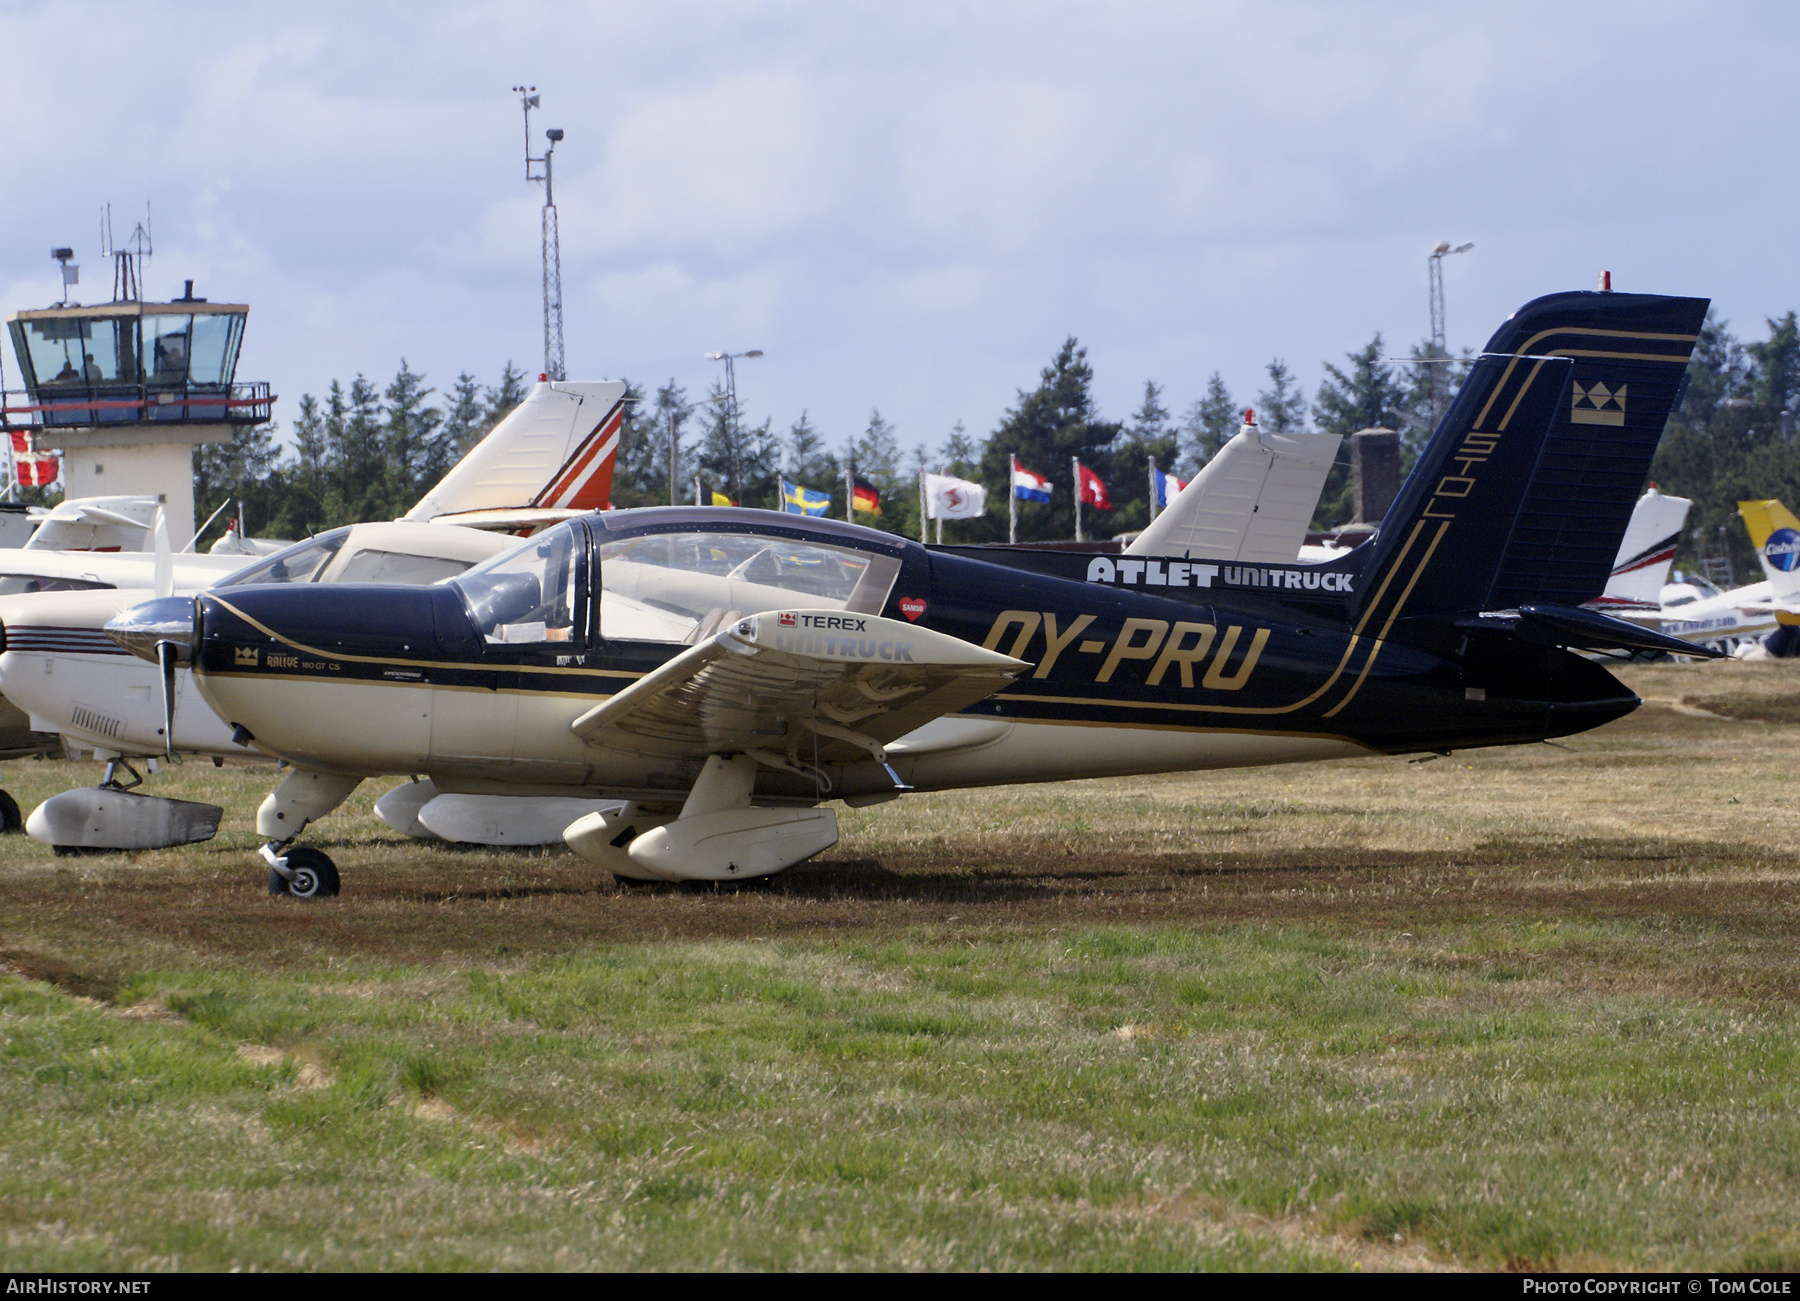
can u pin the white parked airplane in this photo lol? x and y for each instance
(1739, 619)
(550, 459)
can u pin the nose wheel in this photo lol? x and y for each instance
(302, 872)
(10, 820)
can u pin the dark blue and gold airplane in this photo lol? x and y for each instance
(723, 674)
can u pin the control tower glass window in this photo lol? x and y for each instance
(58, 350)
(166, 347)
(213, 353)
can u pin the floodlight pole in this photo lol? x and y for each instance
(1440, 353)
(730, 358)
(553, 306)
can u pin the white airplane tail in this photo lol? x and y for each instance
(96, 524)
(553, 452)
(1645, 554)
(1251, 502)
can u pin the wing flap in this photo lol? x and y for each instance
(820, 684)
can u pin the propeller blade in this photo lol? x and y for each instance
(165, 557)
(167, 656)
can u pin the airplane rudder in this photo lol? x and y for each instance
(1442, 541)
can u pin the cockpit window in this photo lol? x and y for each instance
(299, 563)
(14, 584)
(372, 566)
(528, 594)
(684, 586)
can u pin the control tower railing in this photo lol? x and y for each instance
(77, 405)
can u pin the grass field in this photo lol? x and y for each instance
(1520, 1008)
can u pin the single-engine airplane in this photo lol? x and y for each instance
(724, 673)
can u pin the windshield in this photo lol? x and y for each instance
(685, 586)
(299, 563)
(527, 594)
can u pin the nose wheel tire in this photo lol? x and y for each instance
(9, 814)
(315, 876)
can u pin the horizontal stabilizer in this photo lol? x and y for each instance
(1580, 629)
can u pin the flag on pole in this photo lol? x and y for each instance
(1028, 486)
(1164, 487)
(719, 498)
(948, 498)
(1090, 489)
(863, 496)
(797, 499)
(32, 468)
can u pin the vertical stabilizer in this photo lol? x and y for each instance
(1252, 502)
(1523, 494)
(554, 450)
(1642, 566)
(1776, 534)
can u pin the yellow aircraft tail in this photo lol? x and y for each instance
(1776, 534)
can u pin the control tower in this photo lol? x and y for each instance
(126, 390)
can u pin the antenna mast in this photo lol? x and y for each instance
(129, 263)
(553, 310)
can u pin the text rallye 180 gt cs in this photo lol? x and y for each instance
(724, 673)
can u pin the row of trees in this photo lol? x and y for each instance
(1731, 439)
(1045, 428)
(361, 454)
(364, 452)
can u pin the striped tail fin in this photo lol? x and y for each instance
(1524, 492)
(555, 450)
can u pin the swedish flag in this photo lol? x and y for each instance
(798, 500)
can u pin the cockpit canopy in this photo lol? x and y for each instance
(670, 583)
(404, 554)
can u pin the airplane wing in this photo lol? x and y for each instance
(804, 684)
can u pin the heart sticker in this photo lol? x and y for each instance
(912, 607)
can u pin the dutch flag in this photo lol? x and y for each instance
(1028, 486)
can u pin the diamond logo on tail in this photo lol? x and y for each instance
(1595, 405)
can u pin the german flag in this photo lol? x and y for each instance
(863, 496)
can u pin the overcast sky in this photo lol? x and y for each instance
(905, 205)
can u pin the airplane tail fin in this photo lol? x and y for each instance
(1524, 491)
(1642, 566)
(1251, 502)
(554, 450)
(1776, 534)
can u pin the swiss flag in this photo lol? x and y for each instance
(1090, 490)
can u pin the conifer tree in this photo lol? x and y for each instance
(1282, 406)
(1048, 426)
(1209, 424)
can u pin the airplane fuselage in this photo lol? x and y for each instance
(1134, 667)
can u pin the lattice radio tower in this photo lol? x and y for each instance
(553, 311)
